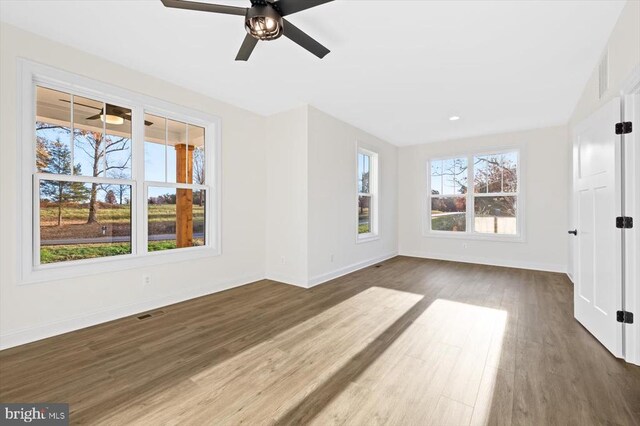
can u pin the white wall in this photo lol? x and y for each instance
(28, 312)
(287, 206)
(332, 198)
(544, 158)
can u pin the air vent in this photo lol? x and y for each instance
(603, 75)
(150, 315)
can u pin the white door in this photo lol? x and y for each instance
(597, 292)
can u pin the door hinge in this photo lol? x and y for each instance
(624, 128)
(624, 317)
(624, 222)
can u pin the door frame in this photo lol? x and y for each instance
(631, 206)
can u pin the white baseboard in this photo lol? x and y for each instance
(32, 334)
(287, 279)
(322, 278)
(548, 267)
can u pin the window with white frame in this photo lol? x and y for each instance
(116, 179)
(175, 185)
(476, 194)
(449, 194)
(367, 194)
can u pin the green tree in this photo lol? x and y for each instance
(60, 192)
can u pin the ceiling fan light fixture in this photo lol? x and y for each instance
(263, 23)
(112, 119)
(264, 20)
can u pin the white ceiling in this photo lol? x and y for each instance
(397, 69)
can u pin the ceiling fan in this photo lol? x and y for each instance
(114, 115)
(264, 20)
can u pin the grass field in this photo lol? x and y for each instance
(53, 254)
(449, 222)
(111, 214)
(117, 221)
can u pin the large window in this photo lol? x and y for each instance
(476, 194)
(115, 179)
(367, 194)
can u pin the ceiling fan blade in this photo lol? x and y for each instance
(94, 117)
(287, 7)
(205, 7)
(298, 36)
(247, 47)
(78, 103)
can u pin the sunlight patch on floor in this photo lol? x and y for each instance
(441, 370)
(268, 380)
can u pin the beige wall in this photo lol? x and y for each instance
(332, 198)
(37, 310)
(544, 160)
(287, 206)
(311, 198)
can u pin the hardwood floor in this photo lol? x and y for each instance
(413, 341)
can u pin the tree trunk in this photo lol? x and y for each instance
(60, 204)
(93, 214)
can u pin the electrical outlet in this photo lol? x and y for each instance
(331, 257)
(283, 260)
(146, 279)
(464, 245)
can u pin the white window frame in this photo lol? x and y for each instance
(470, 233)
(30, 75)
(373, 193)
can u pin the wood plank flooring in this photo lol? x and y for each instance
(411, 342)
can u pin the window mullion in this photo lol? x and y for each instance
(471, 188)
(104, 139)
(72, 136)
(138, 195)
(84, 179)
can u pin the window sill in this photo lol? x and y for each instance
(475, 236)
(81, 268)
(366, 238)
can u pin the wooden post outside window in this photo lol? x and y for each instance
(184, 197)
